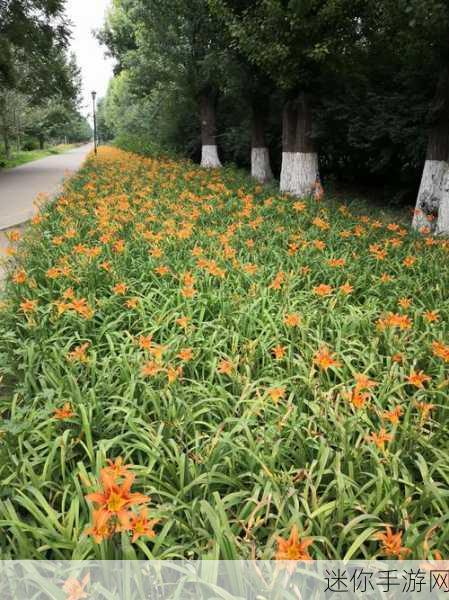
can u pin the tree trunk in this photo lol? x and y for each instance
(4, 128)
(41, 142)
(289, 121)
(443, 209)
(209, 153)
(305, 162)
(299, 157)
(260, 155)
(433, 181)
(6, 144)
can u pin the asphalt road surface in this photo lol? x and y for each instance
(20, 186)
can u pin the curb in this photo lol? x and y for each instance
(16, 220)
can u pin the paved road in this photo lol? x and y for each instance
(20, 186)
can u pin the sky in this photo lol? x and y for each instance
(96, 69)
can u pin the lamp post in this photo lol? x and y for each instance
(95, 122)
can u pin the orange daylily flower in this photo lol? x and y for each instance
(82, 308)
(145, 342)
(431, 316)
(116, 468)
(276, 394)
(75, 589)
(293, 549)
(346, 288)
(336, 262)
(106, 265)
(356, 397)
(28, 305)
(404, 303)
(278, 281)
(398, 358)
(381, 438)
(79, 353)
(61, 307)
(183, 322)
(188, 279)
(68, 294)
(120, 289)
(119, 246)
(299, 206)
(150, 369)
(162, 270)
(323, 290)
(14, 235)
(324, 359)
(157, 350)
(378, 252)
(185, 354)
(394, 320)
(53, 273)
(418, 379)
(321, 223)
(114, 499)
(393, 415)
(174, 373)
(132, 302)
(391, 544)
(292, 320)
(278, 352)
(440, 350)
(63, 413)
(319, 244)
(188, 291)
(19, 276)
(225, 367)
(141, 526)
(409, 261)
(363, 382)
(156, 252)
(424, 408)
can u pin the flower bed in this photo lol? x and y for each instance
(274, 370)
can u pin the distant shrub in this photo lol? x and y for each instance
(30, 145)
(141, 145)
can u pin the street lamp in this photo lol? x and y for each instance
(95, 122)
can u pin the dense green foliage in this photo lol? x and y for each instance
(32, 35)
(40, 83)
(371, 66)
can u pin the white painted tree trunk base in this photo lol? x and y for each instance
(286, 172)
(209, 157)
(443, 211)
(299, 173)
(260, 164)
(430, 192)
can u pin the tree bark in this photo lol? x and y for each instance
(209, 152)
(6, 144)
(442, 227)
(433, 181)
(4, 128)
(260, 155)
(299, 157)
(289, 122)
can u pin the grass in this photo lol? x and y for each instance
(179, 319)
(26, 156)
